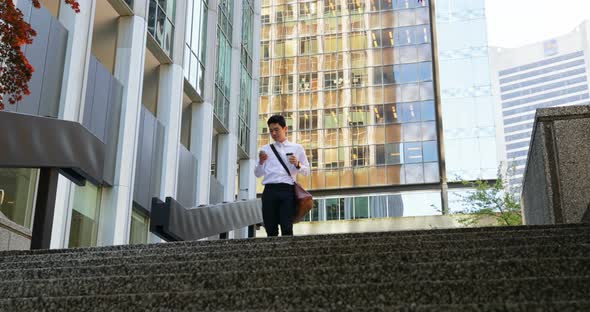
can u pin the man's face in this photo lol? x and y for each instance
(277, 132)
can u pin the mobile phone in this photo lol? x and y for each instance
(289, 154)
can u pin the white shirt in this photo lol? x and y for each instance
(273, 171)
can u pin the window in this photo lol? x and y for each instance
(332, 209)
(393, 154)
(140, 226)
(359, 77)
(194, 57)
(331, 7)
(308, 82)
(413, 152)
(265, 50)
(279, 17)
(333, 80)
(160, 23)
(264, 85)
(17, 194)
(85, 213)
(355, 6)
(430, 151)
(358, 155)
(308, 120)
(406, 73)
(312, 157)
(358, 41)
(307, 10)
(332, 43)
(361, 207)
(387, 37)
(308, 45)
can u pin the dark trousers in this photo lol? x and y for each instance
(278, 207)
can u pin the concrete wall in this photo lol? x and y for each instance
(378, 225)
(557, 174)
(13, 236)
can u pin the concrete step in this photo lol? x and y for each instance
(290, 258)
(318, 297)
(264, 248)
(435, 234)
(236, 279)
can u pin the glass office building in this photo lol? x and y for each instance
(468, 114)
(354, 79)
(469, 117)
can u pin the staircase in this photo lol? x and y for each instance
(527, 268)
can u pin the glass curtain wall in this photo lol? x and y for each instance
(161, 23)
(246, 75)
(195, 50)
(465, 90)
(376, 206)
(222, 75)
(354, 81)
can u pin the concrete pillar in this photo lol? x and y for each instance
(247, 187)
(170, 93)
(80, 29)
(129, 69)
(170, 114)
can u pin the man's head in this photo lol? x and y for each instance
(277, 128)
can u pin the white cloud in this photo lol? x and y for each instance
(513, 23)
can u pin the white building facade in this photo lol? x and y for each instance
(175, 82)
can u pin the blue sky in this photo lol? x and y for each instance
(513, 23)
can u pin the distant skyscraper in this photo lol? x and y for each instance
(544, 74)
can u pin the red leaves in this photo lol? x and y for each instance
(15, 69)
(74, 4)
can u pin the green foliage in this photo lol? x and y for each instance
(490, 200)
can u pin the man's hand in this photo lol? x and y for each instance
(263, 157)
(293, 160)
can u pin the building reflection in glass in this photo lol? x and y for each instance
(355, 84)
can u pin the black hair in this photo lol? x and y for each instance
(277, 119)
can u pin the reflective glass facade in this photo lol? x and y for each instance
(467, 101)
(195, 50)
(354, 80)
(161, 22)
(246, 75)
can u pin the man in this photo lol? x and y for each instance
(278, 198)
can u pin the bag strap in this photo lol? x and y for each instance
(272, 146)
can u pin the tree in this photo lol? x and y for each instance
(496, 200)
(15, 69)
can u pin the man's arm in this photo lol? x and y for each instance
(259, 169)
